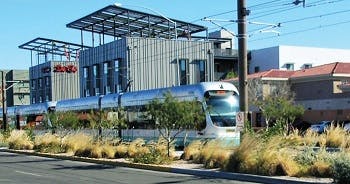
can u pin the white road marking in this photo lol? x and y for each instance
(27, 173)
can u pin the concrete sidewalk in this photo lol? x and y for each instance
(181, 169)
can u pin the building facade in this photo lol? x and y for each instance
(54, 74)
(294, 58)
(323, 91)
(54, 80)
(133, 63)
(17, 87)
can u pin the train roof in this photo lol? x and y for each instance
(78, 104)
(38, 108)
(110, 101)
(185, 92)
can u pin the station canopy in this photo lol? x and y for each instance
(117, 21)
(54, 47)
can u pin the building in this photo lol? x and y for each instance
(148, 51)
(54, 74)
(130, 50)
(294, 58)
(17, 87)
(323, 90)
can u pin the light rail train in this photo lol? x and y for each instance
(219, 99)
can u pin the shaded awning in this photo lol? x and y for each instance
(55, 47)
(121, 22)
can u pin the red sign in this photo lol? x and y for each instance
(68, 68)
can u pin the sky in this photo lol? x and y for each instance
(318, 23)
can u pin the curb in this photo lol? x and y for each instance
(195, 172)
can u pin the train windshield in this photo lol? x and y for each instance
(223, 109)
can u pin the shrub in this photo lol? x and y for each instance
(19, 139)
(75, 141)
(341, 169)
(48, 143)
(152, 156)
(154, 152)
(306, 157)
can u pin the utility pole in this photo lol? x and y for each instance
(3, 100)
(242, 13)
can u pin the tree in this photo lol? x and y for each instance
(63, 120)
(282, 110)
(172, 117)
(274, 99)
(107, 119)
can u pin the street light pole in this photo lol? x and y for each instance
(3, 100)
(175, 31)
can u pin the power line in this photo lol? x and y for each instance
(304, 30)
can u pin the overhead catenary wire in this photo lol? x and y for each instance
(303, 30)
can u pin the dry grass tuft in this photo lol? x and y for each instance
(19, 139)
(245, 157)
(121, 151)
(73, 142)
(311, 138)
(108, 151)
(335, 137)
(321, 169)
(192, 151)
(137, 148)
(48, 143)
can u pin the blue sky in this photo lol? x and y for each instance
(321, 23)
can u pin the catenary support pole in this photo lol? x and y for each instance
(242, 13)
(3, 100)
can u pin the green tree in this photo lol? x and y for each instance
(115, 119)
(63, 120)
(282, 110)
(172, 117)
(106, 120)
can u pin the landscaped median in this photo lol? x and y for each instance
(181, 167)
(260, 156)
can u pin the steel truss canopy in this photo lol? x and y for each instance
(54, 47)
(117, 21)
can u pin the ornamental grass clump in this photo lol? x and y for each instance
(91, 151)
(2, 140)
(214, 154)
(192, 151)
(121, 151)
(75, 141)
(19, 140)
(336, 137)
(108, 151)
(245, 157)
(137, 148)
(48, 143)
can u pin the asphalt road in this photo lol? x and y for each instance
(24, 169)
